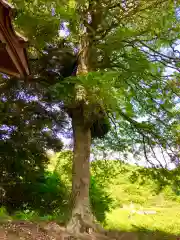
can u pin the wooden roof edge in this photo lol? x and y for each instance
(11, 9)
(6, 4)
(21, 39)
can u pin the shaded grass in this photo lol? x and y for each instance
(142, 234)
(31, 216)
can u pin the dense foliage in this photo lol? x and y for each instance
(24, 142)
(131, 65)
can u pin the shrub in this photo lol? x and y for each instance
(101, 202)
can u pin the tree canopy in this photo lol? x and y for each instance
(132, 47)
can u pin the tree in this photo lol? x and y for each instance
(120, 75)
(23, 144)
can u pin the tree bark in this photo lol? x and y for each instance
(81, 216)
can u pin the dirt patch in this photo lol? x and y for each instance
(15, 230)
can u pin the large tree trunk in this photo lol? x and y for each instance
(81, 217)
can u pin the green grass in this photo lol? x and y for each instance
(165, 224)
(166, 220)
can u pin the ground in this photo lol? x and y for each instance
(14, 230)
(27, 230)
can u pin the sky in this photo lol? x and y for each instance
(112, 155)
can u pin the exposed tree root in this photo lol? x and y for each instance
(83, 229)
(78, 225)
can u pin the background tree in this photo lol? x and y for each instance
(24, 140)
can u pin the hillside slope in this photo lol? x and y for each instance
(142, 205)
(132, 188)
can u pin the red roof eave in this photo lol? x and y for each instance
(15, 43)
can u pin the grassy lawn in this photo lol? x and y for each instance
(166, 221)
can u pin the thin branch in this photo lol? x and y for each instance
(154, 154)
(155, 51)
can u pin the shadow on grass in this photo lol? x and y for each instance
(141, 234)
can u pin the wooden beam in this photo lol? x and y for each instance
(15, 45)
